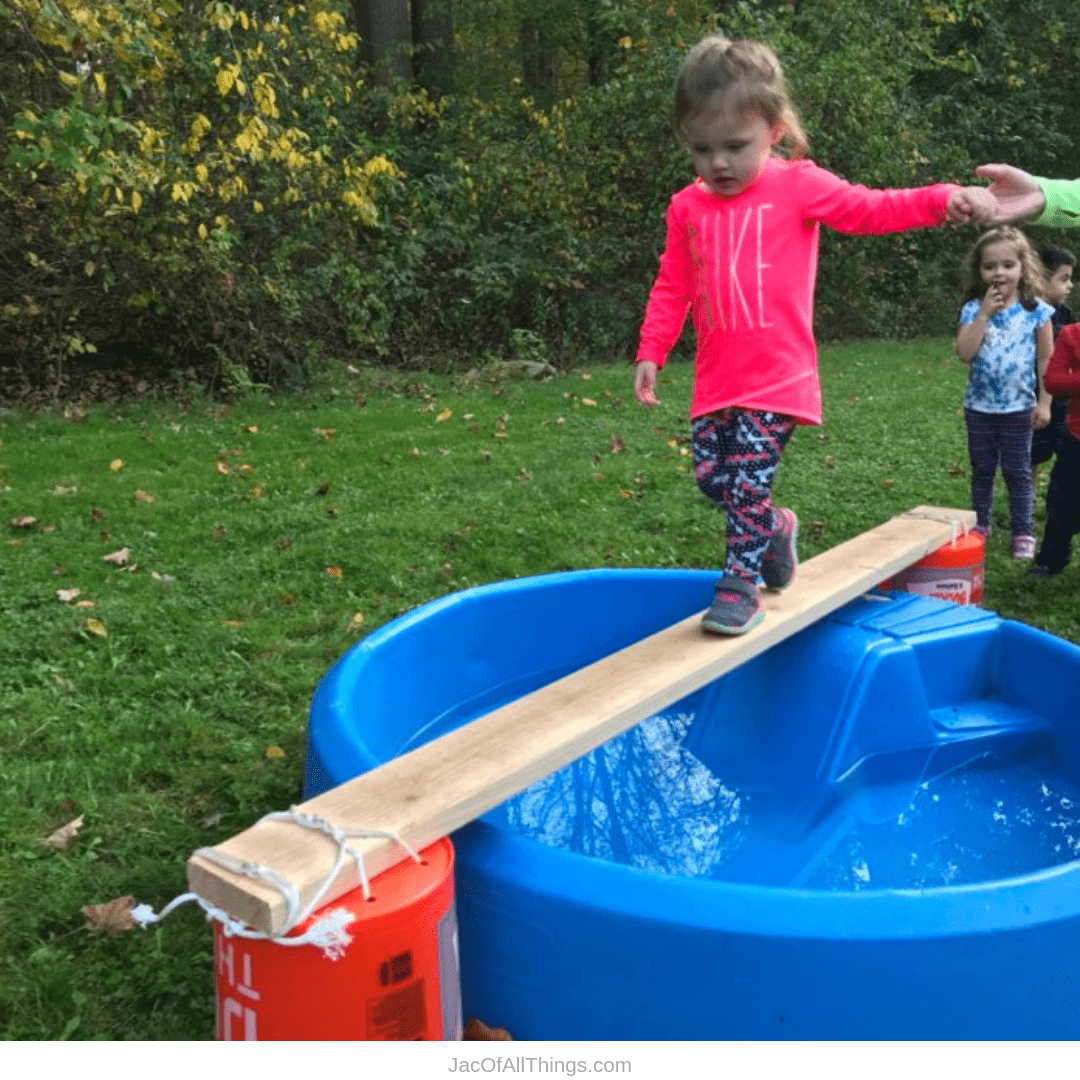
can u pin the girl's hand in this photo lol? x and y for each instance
(971, 206)
(645, 382)
(992, 302)
(1040, 417)
(1017, 193)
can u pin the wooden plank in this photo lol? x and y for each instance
(441, 786)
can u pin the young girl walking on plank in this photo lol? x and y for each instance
(741, 251)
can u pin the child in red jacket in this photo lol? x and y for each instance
(1063, 495)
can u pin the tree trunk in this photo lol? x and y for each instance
(385, 38)
(433, 34)
(537, 62)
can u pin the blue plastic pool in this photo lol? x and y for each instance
(868, 832)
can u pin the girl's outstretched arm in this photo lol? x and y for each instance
(1018, 193)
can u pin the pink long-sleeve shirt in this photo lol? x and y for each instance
(746, 265)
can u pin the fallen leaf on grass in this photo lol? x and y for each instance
(617, 445)
(333, 571)
(356, 621)
(116, 464)
(232, 624)
(588, 401)
(322, 489)
(165, 579)
(274, 753)
(478, 1031)
(258, 491)
(222, 468)
(86, 604)
(326, 432)
(65, 596)
(112, 918)
(63, 836)
(117, 558)
(23, 522)
(252, 429)
(95, 626)
(144, 497)
(64, 489)
(97, 514)
(444, 414)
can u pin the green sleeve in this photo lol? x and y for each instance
(1062, 204)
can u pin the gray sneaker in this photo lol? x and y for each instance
(735, 609)
(779, 561)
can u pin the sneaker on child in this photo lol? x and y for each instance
(735, 609)
(780, 559)
(1023, 548)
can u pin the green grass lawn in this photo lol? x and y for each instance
(252, 544)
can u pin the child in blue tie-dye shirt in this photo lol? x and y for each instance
(1005, 335)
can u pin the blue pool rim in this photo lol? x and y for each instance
(1046, 895)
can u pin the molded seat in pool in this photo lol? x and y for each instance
(845, 721)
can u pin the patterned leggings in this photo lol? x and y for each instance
(736, 455)
(1001, 439)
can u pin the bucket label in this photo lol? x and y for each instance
(399, 1016)
(450, 975)
(237, 1019)
(958, 590)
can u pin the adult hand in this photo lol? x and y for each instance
(645, 382)
(1017, 193)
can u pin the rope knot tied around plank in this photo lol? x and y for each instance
(327, 933)
(957, 525)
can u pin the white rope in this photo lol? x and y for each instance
(328, 932)
(958, 526)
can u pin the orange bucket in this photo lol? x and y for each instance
(397, 980)
(953, 572)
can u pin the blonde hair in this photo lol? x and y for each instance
(1032, 277)
(747, 77)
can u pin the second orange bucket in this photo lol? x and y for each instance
(953, 572)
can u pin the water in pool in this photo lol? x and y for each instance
(642, 799)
